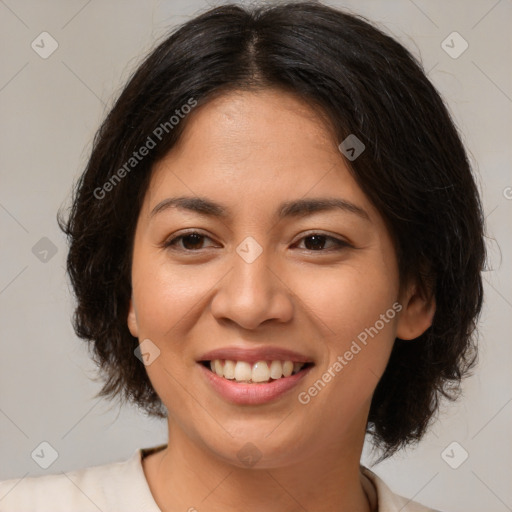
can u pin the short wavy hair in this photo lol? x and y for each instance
(414, 170)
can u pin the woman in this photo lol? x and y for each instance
(276, 245)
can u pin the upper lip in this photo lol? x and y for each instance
(252, 355)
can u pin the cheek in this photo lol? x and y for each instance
(348, 299)
(168, 298)
(344, 384)
(357, 315)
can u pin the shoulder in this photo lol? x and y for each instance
(108, 487)
(388, 501)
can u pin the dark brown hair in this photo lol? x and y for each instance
(414, 170)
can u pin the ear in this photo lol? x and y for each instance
(132, 320)
(417, 314)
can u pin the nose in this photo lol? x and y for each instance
(253, 292)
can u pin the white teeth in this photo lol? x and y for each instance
(229, 369)
(287, 368)
(276, 369)
(261, 371)
(243, 371)
(218, 368)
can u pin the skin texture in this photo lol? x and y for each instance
(251, 151)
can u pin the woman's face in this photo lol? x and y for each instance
(264, 277)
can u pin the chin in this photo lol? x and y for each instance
(259, 448)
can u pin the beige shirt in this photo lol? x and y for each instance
(122, 487)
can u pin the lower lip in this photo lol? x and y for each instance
(252, 394)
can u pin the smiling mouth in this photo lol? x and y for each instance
(260, 372)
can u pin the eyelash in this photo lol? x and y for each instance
(171, 243)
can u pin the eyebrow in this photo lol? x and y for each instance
(288, 209)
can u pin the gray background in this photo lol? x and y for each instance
(50, 109)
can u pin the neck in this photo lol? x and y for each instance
(187, 476)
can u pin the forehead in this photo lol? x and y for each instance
(252, 149)
(258, 124)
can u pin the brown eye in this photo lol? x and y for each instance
(317, 242)
(189, 242)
